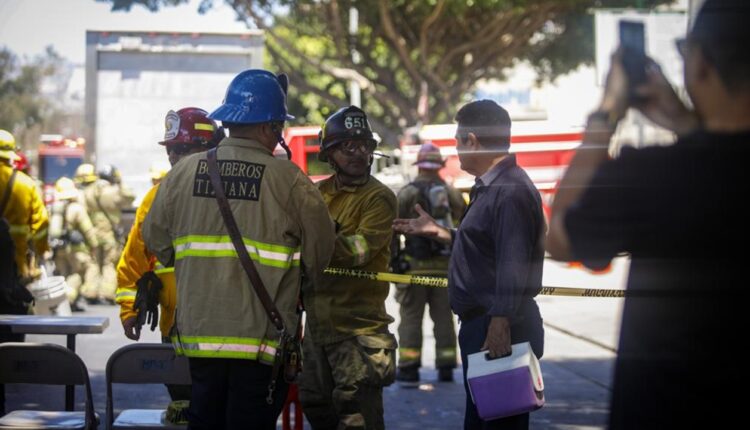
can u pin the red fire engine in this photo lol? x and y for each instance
(542, 148)
(58, 157)
(303, 141)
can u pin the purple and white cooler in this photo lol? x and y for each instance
(506, 386)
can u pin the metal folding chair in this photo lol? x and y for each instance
(45, 364)
(144, 363)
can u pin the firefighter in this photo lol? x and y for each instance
(422, 256)
(104, 199)
(72, 236)
(187, 131)
(221, 325)
(112, 175)
(23, 220)
(348, 350)
(85, 179)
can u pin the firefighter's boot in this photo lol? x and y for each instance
(445, 374)
(408, 377)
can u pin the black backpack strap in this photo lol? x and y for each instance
(424, 197)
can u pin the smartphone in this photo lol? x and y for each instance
(633, 43)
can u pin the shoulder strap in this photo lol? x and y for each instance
(239, 245)
(424, 198)
(6, 194)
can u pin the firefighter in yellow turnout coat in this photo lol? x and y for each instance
(23, 219)
(221, 325)
(134, 262)
(348, 351)
(187, 131)
(24, 209)
(73, 238)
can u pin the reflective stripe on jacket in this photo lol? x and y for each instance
(285, 226)
(135, 260)
(339, 308)
(27, 216)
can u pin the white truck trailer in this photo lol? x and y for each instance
(134, 78)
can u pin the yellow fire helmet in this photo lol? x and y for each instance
(65, 189)
(85, 174)
(7, 145)
(158, 172)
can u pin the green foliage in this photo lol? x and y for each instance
(412, 53)
(23, 109)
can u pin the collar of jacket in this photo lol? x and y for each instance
(244, 143)
(331, 185)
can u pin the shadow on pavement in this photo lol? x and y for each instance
(575, 398)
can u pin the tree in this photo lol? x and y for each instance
(414, 60)
(24, 110)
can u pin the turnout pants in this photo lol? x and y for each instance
(73, 264)
(413, 299)
(341, 386)
(101, 275)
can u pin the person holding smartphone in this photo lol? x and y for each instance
(677, 211)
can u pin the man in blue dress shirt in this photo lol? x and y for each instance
(495, 269)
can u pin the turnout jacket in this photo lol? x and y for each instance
(70, 216)
(26, 215)
(339, 307)
(105, 202)
(136, 260)
(284, 224)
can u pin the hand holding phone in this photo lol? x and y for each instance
(634, 60)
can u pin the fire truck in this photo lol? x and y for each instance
(58, 156)
(303, 142)
(542, 148)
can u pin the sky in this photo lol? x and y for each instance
(28, 26)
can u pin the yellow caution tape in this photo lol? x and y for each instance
(433, 281)
(427, 281)
(581, 292)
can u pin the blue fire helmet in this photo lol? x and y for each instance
(254, 96)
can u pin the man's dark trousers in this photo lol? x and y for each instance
(231, 394)
(471, 336)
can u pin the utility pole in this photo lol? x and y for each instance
(355, 92)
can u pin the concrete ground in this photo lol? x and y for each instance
(581, 336)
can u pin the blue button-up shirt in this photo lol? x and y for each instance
(498, 250)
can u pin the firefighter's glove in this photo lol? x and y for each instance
(147, 300)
